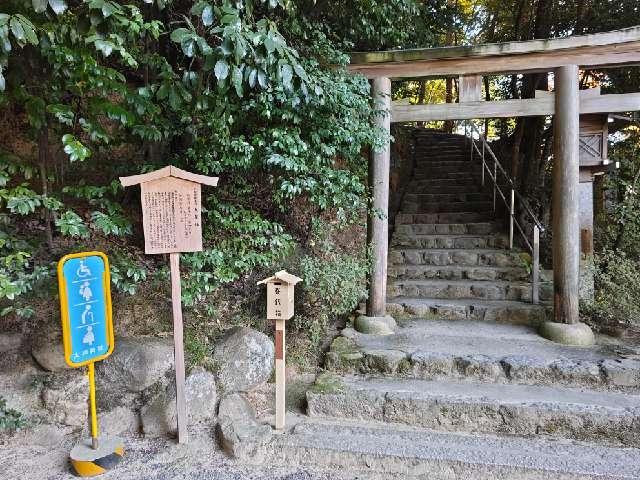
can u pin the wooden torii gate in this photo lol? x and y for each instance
(563, 56)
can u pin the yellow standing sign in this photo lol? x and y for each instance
(87, 337)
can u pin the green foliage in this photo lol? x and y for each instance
(72, 225)
(617, 297)
(10, 419)
(334, 284)
(126, 274)
(382, 24)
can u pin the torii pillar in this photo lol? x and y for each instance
(566, 327)
(376, 321)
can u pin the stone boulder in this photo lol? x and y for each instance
(65, 396)
(244, 359)
(239, 434)
(135, 364)
(47, 350)
(159, 416)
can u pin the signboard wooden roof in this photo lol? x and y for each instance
(168, 171)
(283, 276)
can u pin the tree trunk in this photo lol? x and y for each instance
(43, 156)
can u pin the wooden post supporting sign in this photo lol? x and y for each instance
(171, 219)
(280, 299)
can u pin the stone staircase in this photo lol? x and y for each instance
(448, 255)
(450, 397)
(444, 399)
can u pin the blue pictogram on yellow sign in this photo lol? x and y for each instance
(85, 305)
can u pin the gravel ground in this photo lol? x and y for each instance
(42, 453)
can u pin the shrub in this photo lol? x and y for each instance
(617, 297)
(334, 284)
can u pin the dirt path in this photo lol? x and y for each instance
(42, 454)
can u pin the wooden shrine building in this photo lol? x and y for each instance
(580, 136)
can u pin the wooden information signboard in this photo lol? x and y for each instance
(280, 297)
(171, 219)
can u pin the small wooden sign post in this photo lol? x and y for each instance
(280, 296)
(171, 219)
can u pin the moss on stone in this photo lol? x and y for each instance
(327, 383)
(343, 345)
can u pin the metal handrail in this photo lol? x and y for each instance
(534, 244)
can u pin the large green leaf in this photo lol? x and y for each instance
(207, 15)
(236, 79)
(221, 70)
(179, 34)
(286, 72)
(58, 6)
(74, 148)
(17, 29)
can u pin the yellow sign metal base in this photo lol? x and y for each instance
(90, 462)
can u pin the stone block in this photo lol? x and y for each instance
(135, 364)
(159, 416)
(244, 358)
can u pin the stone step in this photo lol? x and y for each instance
(440, 157)
(424, 272)
(461, 289)
(486, 352)
(449, 241)
(463, 196)
(446, 207)
(480, 228)
(389, 452)
(442, 182)
(468, 257)
(453, 217)
(500, 311)
(415, 188)
(526, 410)
(435, 167)
(464, 175)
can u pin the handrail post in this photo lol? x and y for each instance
(495, 183)
(512, 210)
(535, 272)
(471, 142)
(483, 164)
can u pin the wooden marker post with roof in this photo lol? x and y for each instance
(171, 218)
(280, 296)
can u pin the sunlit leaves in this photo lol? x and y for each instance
(111, 224)
(71, 224)
(21, 200)
(207, 15)
(58, 6)
(63, 113)
(74, 148)
(221, 70)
